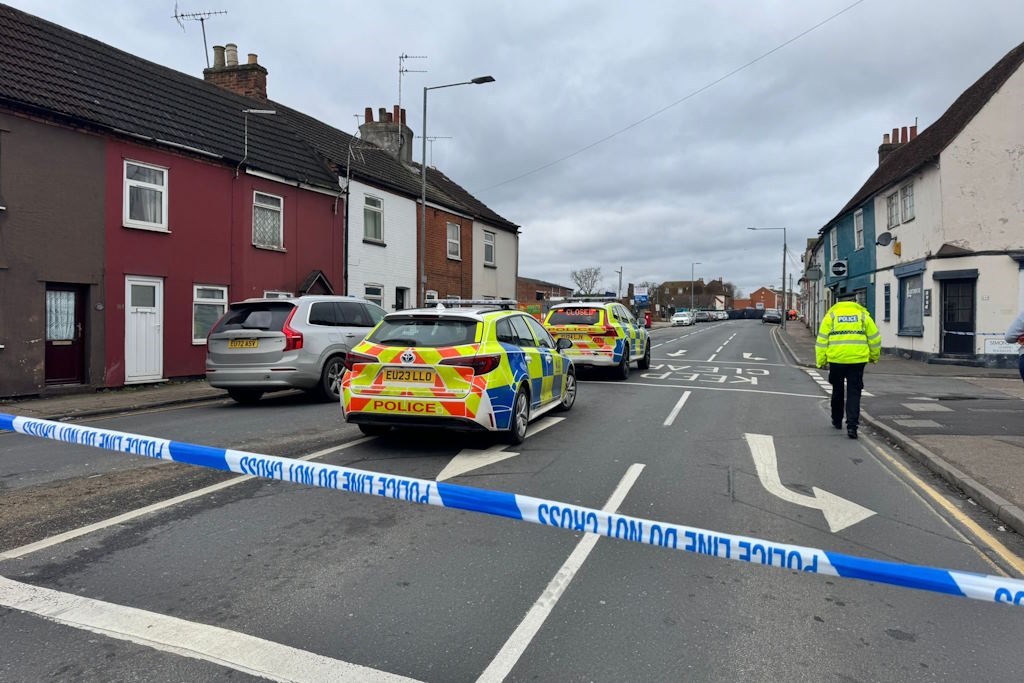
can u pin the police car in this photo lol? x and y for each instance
(603, 333)
(471, 365)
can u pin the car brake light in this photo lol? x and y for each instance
(481, 364)
(608, 331)
(352, 358)
(292, 337)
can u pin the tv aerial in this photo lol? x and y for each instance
(201, 17)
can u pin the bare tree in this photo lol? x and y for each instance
(586, 279)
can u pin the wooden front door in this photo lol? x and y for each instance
(65, 334)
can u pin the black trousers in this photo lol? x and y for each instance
(847, 380)
(1020, 365)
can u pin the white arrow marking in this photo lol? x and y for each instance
(674, 354)
(469, 459)
(839, 512)
(750, 356)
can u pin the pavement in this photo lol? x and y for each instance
(964, 423)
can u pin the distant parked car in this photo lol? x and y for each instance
(703, 316)
(771, 315)
(684, 318)
(263, 345)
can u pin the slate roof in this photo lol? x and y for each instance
(475, 206)
(52, 71)
(927, 146)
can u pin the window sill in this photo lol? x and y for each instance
(910, 333)
(376, 243)
(491, 265)
(198, 342)
(142, 226)
(266, 247)
(454, 258)
(907, 220)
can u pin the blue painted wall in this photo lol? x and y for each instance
(861, 262)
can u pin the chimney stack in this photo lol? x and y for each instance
(389, 132)
(248, 80)
(895, 140)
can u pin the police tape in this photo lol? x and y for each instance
(550, 513)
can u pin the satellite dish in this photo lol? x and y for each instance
(884, 239)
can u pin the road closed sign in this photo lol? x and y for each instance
(838, 268)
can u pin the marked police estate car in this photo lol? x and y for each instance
(471, 365)
(603, 333)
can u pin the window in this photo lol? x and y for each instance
(833, 242)
(145, 196)
(355, 314)
(887, 302)
(267, 221)
(208, 304)
(324, 313)
(60, 315)
(488, 248)
(275, 294)
(911, 306)
(430, 295)
(543, 337)
(503, 332)
(374, 293)
(907, 202)
(858, 230)
(454, 241)
(373, 219)
(522, 330)
(893, 209)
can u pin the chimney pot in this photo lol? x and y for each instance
(403, 117)
(382, 114)
(895, 135)
(885, 139)
(391, 118)
(231, 54)
(218, 56)
(913, 132)
(398, 115)
(368, 115)
(904, 135)
(252, 58)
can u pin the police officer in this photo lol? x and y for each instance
(847, 340)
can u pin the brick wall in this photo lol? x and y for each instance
(444, 275)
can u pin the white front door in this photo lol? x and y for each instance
(143, 329)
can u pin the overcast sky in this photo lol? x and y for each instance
(614, 133)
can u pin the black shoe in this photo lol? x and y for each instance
(852, 433)
(837, 425)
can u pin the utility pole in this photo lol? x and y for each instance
(619, 271)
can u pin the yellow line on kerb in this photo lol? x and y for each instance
(998, 548)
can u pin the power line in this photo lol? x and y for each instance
(676, 103)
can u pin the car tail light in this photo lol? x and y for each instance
(608, 331)
(292, 337)
(352, 358)
(481, 364)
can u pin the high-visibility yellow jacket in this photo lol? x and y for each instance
(847, 335)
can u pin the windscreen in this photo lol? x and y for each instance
(255, 316)
(575, 316)
(424, 332)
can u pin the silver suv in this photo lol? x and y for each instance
(263, 345)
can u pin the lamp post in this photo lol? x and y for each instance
(785, 304)
(695, 263)
(423, 179)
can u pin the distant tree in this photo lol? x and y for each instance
(586, 279)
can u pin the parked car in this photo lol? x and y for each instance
(684, 318)
(702, 316)
(603, 334)
(771, 315)
(262, 345)
(468, 365)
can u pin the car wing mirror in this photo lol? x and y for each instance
(563, 343)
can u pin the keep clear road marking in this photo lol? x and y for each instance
(238, 651)
(469, 459)
(839, 512)
(675, 411)
(520, 639)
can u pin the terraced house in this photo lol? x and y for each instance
(136, 202)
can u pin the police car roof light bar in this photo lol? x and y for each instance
(591, 298)
(497, 303)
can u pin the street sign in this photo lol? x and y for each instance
(838, 268)
(813, 273)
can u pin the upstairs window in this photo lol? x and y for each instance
(454, 241)
(145, 196)
(907, 202)
(267, 221)
(858, 230)
(833, 242)
(373, 219)
(893, 209)
(488, 248)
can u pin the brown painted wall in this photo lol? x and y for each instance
(52, 181)
(444, 275)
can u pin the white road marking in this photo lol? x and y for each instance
(728, 363)
(839, 513)
(516, 645)
(919, 424)
(712, 357)
(238, 651)
(825, 384)
(750, 356)
(675, 411)
(469, 459)
(927, 408)
(676, 354)
(695, 386)
(155, 507)
(719, 349)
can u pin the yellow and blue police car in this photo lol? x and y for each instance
(471, 365)
(603, 333)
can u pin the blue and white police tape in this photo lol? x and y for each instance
(536, 510)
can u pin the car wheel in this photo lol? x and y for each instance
(329, 388)
(520, 417)
(622, 371)
(645, 362)
(245, 396)
(374, 430)
(569, 395)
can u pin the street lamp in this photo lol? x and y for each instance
(785, 313)
(695, 263)
(423, 179)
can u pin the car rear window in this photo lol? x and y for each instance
(424, 332)
(575, 316)
(255, 316)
